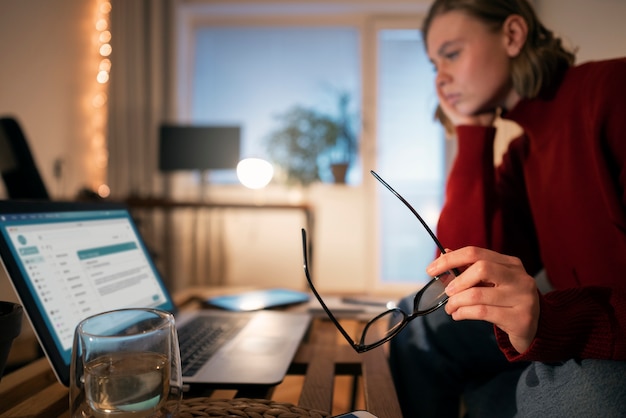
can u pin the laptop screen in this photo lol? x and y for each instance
(74, 263)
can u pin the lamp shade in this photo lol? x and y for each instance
(255, 173)
(198, 147)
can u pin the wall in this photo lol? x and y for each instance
(595, 27)
(45, 77)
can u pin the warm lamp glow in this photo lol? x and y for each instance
(254, 173)
(102, 77)
(105, 50)
(104, 191)
(105, 7)
(105, 65)
(105, 36)
(97, 160)
(102, 24)
(99, 100)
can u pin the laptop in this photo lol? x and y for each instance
(70, 260)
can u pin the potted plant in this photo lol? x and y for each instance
(342, 151)
(308, 138)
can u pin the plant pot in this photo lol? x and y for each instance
(339, 172)
(10, 327)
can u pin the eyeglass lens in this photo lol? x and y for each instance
(433, 295)
(430, 298)
(389, 323)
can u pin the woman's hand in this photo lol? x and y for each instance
(493, 287)
(450, 117)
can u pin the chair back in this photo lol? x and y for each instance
(19, 171)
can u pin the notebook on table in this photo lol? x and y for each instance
(70, 260)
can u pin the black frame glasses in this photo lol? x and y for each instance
(430, 298)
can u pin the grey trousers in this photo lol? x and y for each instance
(439, 364)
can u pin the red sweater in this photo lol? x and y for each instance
(557, 201)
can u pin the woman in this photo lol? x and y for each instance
(557, 202)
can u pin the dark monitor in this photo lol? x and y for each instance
(198, 147)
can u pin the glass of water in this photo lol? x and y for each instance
(126, 363)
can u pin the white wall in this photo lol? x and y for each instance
(595, 27)
(46, 50)
(43, 73)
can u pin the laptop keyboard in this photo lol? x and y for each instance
(201, 337)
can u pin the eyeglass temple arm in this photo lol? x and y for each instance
(417, 215)
(319, 298)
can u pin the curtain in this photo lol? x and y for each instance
(141, 64)
(138, 93)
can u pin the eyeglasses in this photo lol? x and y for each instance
(430, 298)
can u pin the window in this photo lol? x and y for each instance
(248, 76)
(253, 63)
(410, 155)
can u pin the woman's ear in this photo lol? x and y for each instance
(515, 31)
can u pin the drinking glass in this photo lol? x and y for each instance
(126, 363)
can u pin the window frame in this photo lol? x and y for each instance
(367, 19)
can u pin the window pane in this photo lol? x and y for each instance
(411, 155)
(250, 75)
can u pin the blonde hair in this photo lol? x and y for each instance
(541, 59)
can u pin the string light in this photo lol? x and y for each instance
(99, 153)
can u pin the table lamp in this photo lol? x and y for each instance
(254, 173)
(199, 148)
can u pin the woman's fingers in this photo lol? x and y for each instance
(450, 115)
(460, 260)
(493, 287)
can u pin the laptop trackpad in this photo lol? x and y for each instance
(259, 344)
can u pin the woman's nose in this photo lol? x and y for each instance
(442, 78)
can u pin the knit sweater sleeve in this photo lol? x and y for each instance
(590, 321)
(588, 313)
(486, 206)
(468, 196)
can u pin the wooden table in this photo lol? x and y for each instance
(33, 390)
